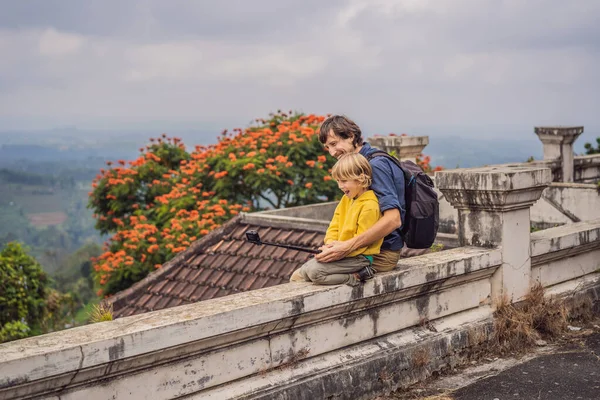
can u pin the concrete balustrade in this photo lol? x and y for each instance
(493, 211)
(404, 147)
(183, 350)
(558, 145)
(587, 168)
(569, 253)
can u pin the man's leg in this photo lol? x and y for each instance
(337, 272)
(386, 260)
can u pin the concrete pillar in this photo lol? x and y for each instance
(558, 145)
(493, 211)
(404, 147)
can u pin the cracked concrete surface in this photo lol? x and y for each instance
(568, 369)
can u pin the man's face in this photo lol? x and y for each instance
(337, 146)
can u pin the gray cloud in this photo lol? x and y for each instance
(390, 64)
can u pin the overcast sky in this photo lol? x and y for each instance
(389, 64)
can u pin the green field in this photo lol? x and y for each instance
(39, 199)
(53, 219)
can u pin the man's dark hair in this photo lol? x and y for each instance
(343, 127)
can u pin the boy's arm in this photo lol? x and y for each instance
(368, 216)
(389, 222)
(332, 233)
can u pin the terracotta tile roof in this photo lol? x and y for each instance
(223, 263)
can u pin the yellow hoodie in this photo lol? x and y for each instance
(351, 218)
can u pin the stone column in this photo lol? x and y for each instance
(493, 211)
(404, 147)
(558, 145)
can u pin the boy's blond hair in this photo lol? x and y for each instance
(353, 167)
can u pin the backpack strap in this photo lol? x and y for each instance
(380, 153)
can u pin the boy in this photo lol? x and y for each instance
(356, 212)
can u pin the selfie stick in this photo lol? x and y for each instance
(253, 237)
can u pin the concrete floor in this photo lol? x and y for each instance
(568, 369)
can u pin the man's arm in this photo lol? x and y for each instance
(389, 222)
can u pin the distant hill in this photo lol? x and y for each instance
(37, 153)
(453, 151)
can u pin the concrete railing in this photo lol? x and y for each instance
(303, 341)
(567, 254)
(190, 349)
(560, 204)
(587, 168)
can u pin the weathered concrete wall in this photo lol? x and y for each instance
(566, 253)
(184, 350)
(587, 168)
(404, 147)
(560, 203)
(566, 203)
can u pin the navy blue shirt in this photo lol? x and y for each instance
(388, 185)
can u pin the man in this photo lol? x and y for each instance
(341, 135)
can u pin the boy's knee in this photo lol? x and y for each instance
(316, 273)
(319, 279)
(297, 277)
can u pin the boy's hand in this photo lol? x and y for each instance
(334, 251)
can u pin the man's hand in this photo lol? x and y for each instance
(334, 251)
(327, 245)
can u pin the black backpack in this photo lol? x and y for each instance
(420, 224)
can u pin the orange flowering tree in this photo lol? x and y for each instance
(157, 205)
(425, 163)
(123, 189)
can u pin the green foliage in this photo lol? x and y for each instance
(75, 274)
(436, 247)
(28, 303)
(59, 312)
(13, 330)
(590, 149)
(101, 312)
(23, 289)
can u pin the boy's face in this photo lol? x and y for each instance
(351, 188)
(337, 146)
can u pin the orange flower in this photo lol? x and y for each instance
(309, 185)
